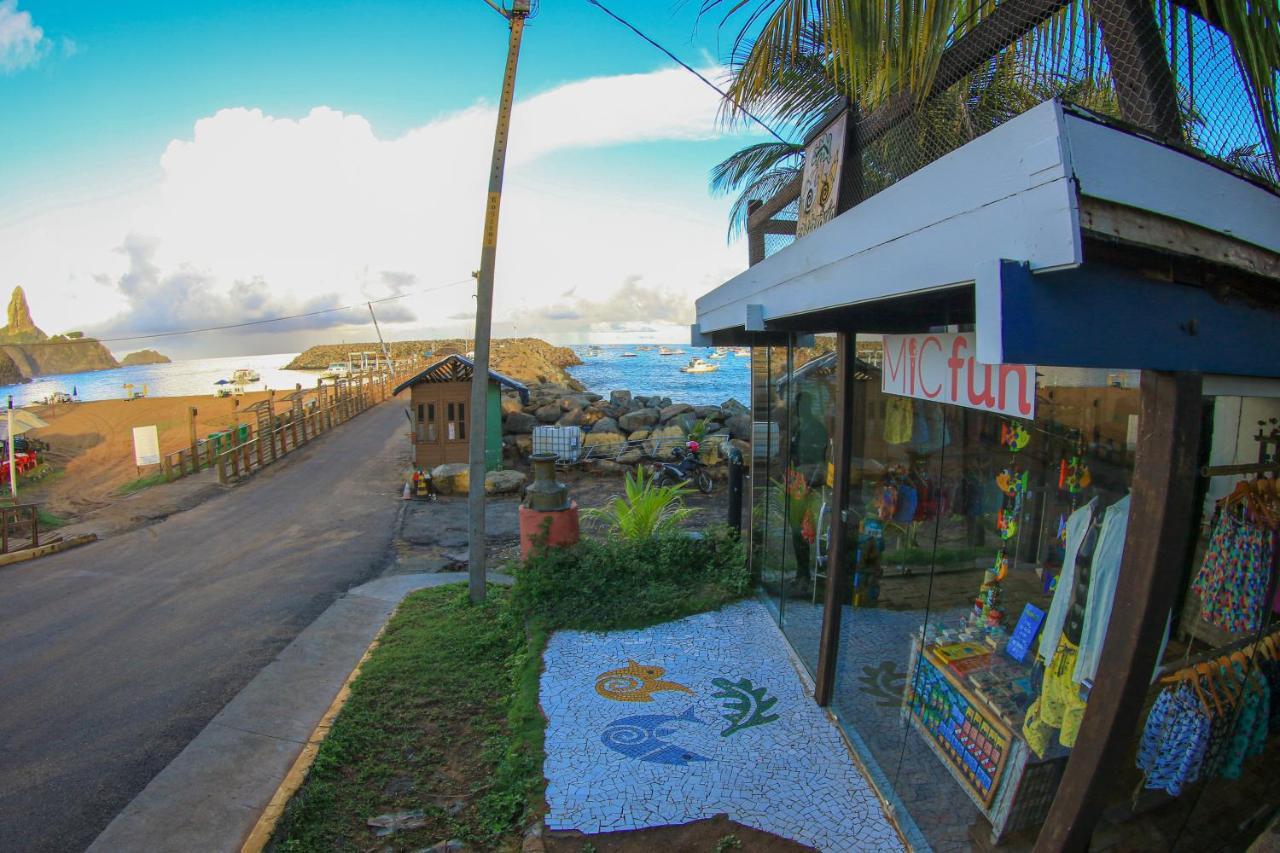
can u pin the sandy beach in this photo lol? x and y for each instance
(91, 444)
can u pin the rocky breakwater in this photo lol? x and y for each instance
(623, 429)
(527, 360)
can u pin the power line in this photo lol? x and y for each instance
(246, 323)
(690, 69)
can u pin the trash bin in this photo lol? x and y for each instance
(220, 441)
(242, 433)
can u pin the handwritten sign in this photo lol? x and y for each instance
(820, 180)
(146, 446)
(943, 368)
(1025, 632)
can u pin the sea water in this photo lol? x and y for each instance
(647, 374)
(650, 374)
(176, 379)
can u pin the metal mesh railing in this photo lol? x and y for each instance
(1176, 77)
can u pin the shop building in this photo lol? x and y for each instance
(1012, 484)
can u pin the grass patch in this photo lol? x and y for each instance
(143, 482)
(49, 520)
(613, 583)
(443, 718)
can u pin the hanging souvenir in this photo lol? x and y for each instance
(1014, 436)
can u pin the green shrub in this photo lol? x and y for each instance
(626, 583)
(647, 510)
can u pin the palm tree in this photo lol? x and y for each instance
(792, 57)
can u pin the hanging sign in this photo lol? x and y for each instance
(943, 368)
(146, 446)
(820, 183)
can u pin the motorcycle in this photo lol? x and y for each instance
(687, 468)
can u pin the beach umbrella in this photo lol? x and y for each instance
(16, 423)
(223, 382)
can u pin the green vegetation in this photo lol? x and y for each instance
(141, 483)
(50, 521)
(444, 718)
(648, 509)
(605, 584)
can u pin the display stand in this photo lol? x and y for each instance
(981, 749)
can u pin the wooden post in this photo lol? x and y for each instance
(1158, 542)
(35, 527)
(271, 423)
(167, 466)
(222, 469)
(837, 553)
(4, 529)
(195, 443)
(235, 462)
(257, 440)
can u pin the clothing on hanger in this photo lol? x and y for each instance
(1104, 574)
(1077, 526)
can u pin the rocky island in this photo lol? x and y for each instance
(144, 356)
(29, 352)
(527, 360)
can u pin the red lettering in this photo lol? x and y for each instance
(956, 362)
(893, 371)
(923, 390)
(911, 346)
(1024, 398)
(986, 399)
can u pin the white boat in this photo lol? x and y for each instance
(627, 355)
(742, 352)
(720, 352)
(337, 370)
(644, 349)
(668, 351)
(245, 376)
(697, 365)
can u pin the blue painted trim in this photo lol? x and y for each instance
(1107, 317)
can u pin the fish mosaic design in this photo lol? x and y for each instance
(642, 737)
(635, 683)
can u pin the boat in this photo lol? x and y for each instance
(245, 376)
(627, 355)
(669, 351)
(697, 365)
(337, 370)
(57, 397)
(720, 352)
(644, 349)
(742, 352)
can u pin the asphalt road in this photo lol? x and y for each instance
(114, 655)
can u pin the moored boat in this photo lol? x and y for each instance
(697, 365)
(669, 351)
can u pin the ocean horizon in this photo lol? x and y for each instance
(647, 374)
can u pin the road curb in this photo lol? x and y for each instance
(44, 550)
(229, 785)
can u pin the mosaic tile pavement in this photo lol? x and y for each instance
(695, 718)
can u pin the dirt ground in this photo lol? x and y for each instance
(714, 835)
(91, 444)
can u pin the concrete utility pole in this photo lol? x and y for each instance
(520, 9)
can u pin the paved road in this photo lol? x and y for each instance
(113, 656)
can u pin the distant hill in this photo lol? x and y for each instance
(523, 359)
(34, 353)
(144, 356)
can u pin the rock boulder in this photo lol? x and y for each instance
(518, 423)
(639, 419)
(503, 482)
(452, 478)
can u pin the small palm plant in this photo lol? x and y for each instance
(647, 510)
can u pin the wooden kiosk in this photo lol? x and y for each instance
(439, 398)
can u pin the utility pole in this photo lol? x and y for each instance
(516, 15)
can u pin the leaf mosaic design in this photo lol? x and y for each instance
(745, 704)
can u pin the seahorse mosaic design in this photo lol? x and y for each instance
(641, 737)
(635, 683)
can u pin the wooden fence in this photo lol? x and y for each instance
(300, 424)
(19, 527)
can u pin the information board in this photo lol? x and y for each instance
(962, 733)
(146, 446)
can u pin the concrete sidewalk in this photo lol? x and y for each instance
(210, 796)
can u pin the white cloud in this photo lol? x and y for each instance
(256, 214)
(22, 43)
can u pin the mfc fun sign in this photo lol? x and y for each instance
(942, 368)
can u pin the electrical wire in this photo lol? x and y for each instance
(690, 69)
(248, 323)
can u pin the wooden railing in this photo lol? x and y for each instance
(19, 527)
(298, 426)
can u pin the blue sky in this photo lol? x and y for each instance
(114, 84)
